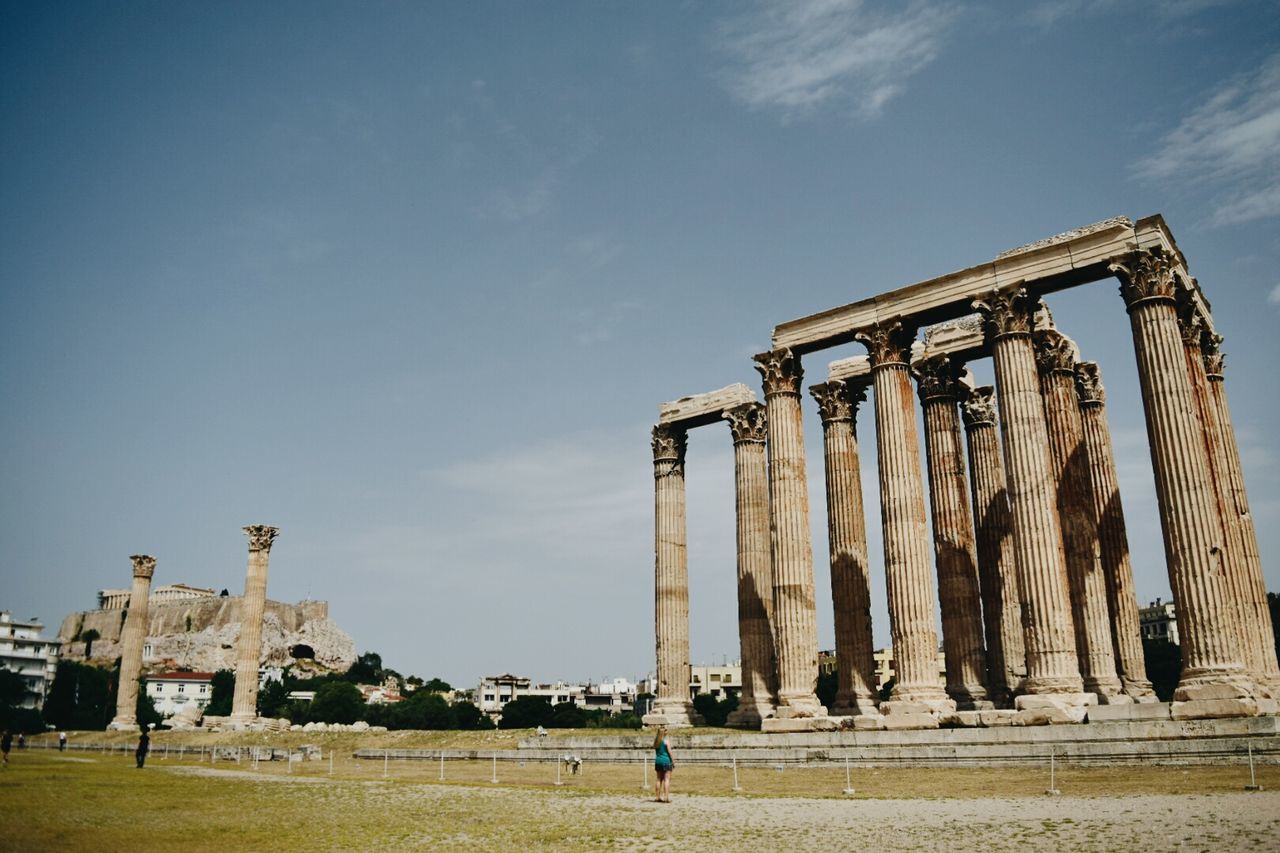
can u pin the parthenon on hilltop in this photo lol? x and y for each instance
(1034, 584)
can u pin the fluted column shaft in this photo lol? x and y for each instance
(671, 577)
(959, 592)
(1113, 540)
(244, 704)
(755, 575)
(135, 633)
(1052, 666)
(906, 540)
(794, 611)
(847, 537)
(997, 570)
(1255, 610)
(1211, 657)
(1087, 584)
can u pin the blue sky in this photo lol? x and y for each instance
(409, 280)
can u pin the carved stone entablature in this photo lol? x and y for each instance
(1145, 275)
(837, 400)
(669, 443)
(747, 423)
(144, 565)
(887, 343)
(1055, 352)
(261, 536)
(937, 377)
(1215, 360)
(1089, 384)
(1066, 236)
(978, 406)
(1010, 311)
(781, 370)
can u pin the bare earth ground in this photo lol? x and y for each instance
(52, 801)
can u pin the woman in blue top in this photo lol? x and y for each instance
(663, 764)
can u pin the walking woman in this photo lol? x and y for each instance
(663, 764)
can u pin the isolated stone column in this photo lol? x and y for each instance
(135, 633)
(1113, 540)
(671, 580)
(1212, 669)
(794, 613)
(1256, 612)
(847, 537)
(1052, 666)
(1087, 584)
(908, 578)
(959, 592)
(244, 704)
(755, 576)
(997, 569)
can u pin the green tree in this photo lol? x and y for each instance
(566, 715)
(526, 712)
(715, 711)
(366, 670)
(88, 637)
(470, 717)
(1164, 666)
(79, 698)
(336, 702)
(435, 685)
(827, 687)
(14, 717)
(145, 709)
(272, 699)
(222, 691)
(1273, 604)
(424, 711)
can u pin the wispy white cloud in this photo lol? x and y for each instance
(1231, 144)
(798, 56)
(1274, 296)
(1050, 12)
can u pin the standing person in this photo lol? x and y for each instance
(663, 764)
(6, 743)
(62, 741)
(144, 744)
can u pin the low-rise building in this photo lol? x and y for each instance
(885, 671)
(720, 681)
(25, 651)
(497, 690)
(1159, 621)
(170, 692)
(615, 695)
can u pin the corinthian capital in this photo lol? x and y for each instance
(747, 423)
(669, 443)
(1089, 384)
(1010, 311)
(144, 565)
(1055, 352)
(937, 377)
(838, 400)
(978, 408)
(1215, 360)
(1145, 275)
(887, 343)
(781, 371)
(261, 536)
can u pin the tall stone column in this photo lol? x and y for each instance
(244, 704)
(1052, 666)
(906, 540)
(1087, 584)
(757, 700)
(1213, 678)
(794, 614)
(847, 536)
(997, 569)
(1113, 540)
(959, 591)
(1256, 612)
(671, 705)
(135, 633)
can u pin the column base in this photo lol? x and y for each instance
(1051, 684)
(799, 706)
(119, 725)
(1140, 691)
(750, 714)
(1049, 708)
(968, 699)
(854, 705)
(673, 714)
(1210, 685)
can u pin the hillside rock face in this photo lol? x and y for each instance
(201, 634)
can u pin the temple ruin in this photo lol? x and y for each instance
(1029, 555)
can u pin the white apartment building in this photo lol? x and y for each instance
(172, 691)
(719, 681)
(1159, 621)
(24, 651)
(615, 695)
(497, 690)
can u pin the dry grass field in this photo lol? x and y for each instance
(77, 800)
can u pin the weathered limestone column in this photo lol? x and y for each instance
(794, 612)
(1113, 540)
(1052, 667)
(1213, 682)
(757, 700)
(959, 592)
(847, 535)
(135, 633)
(244, 704)
(671, 705)
(918, 690)
(1001, 599)
(1256, 611)
(1056, 360)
